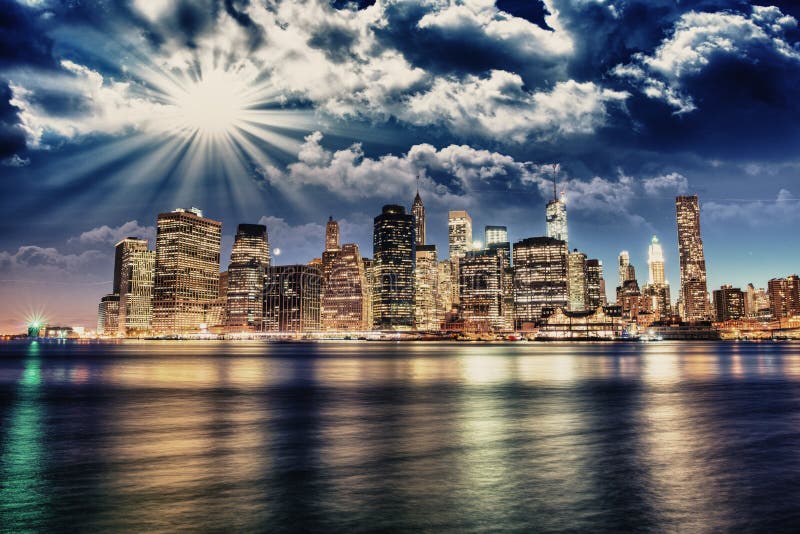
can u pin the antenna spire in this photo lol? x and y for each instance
(555, 170)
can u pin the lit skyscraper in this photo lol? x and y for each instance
(249, 264)
(626, 270)
(444, 293)
(137, 266)
(345, 292)
(694, 293)
(426, 281)
(481, 283)
(728, 303)
(393, 266)
(495, 235)
(595, 287)
(331, 235)
(459, 232)
(578, 278)
(540, 278)
(292, 299)
(186, 271)
(418, 211)
(557, 218)
(655, 260)
(108, 315)
(784, 296)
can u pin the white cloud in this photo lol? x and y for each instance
(785, 208)
(106, 235)
(500, 107)
(32, 261)
(15, 161)
(695, 40)
(672, 183)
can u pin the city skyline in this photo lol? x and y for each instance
(105, 129)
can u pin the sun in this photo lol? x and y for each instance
(215, 104)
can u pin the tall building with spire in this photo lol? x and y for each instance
(331, 235)
(626, 269)
(694, 292)
(556, 214)
(418, 211)
(656, 292)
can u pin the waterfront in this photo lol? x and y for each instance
(693, 436)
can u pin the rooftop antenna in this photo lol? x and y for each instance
(555, 170)
(418, 183)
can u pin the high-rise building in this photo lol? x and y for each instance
(626, 269)
(694, 292)
(578, 275)
(418, 211)
(137, 269)
(331, 235)
(393, 264)
(595, 288)
(459, 233)
(655, 261)
(345, 292)
(556, 216)
(540, 278)
(495, 234)
(728, 303)
(426, 281)
(756, 301)
(249, 264)
(481, 286)
(444, 293)
(186, 271)
(292, 297)
(784, 296)
(108, 315)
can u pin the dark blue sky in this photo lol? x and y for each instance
(111, 112)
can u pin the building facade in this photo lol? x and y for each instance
(784, 297)
(728, 303)
(578, 276)
(556, 218)
(292, 299)
(393, 269)
(481, 284)
(540, 278)
(426, 282)
(136, 273)
(694, 291)
(186, 271)
(247, 270)
(345, 292)
(108, 315)
(595, 287)
(418, 211)
(495, 235)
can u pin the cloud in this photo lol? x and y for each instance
(106, 235)
(785, 208)
(697, 39)
(34, 262)
(673, 183)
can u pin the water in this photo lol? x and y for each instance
(404, 437)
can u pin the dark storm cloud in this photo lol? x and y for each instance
(334, 41)
(21, 39)
(12, 136)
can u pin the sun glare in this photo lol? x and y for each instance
(214, 104)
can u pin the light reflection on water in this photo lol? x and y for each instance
(341, 436)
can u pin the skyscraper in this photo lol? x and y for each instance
(556, 216)
(249, 264)
(577, 281)
(626, 270)
(694, 293)
(345, 292)
(186, 271)
(331, 235)
(418, 211)
(292, 297)
(481, 286)
(393, 265)
(595, 288)
(495, 234)
(444, 293)
(426, 282)
(137, 269)
(540, 278)
(459, 232)
(655, 261)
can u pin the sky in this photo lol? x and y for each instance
(286, 113)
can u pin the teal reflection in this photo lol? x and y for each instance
(22, 489)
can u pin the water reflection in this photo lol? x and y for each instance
(466, 437)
